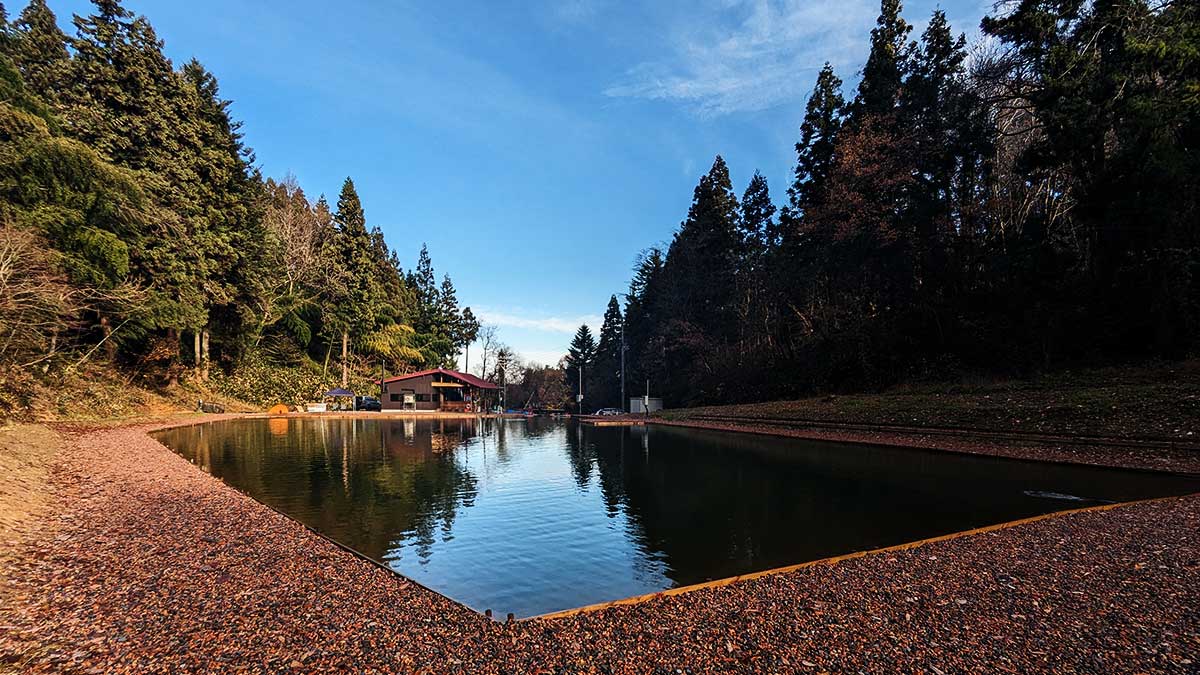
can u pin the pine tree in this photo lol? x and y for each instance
(356, 314)
(580, 357)
(470, 332)
(223, 208)
(758, 227)
(425, 285)
(703, 260)
(882, 76)
(818, 139)
(947, 123)
(761, 234)
(128, 103)
(605, 377)
(449, 317)
(645, 321)
(39, 49)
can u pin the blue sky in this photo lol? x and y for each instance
(536, 147)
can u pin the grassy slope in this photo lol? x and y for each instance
(1155, 401)
(103, 393)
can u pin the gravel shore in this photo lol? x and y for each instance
(149, 565)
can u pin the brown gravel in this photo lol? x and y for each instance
(152, 566)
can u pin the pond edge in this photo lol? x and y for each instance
(680, 590)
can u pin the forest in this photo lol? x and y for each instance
(135, 230)
(1016, 206)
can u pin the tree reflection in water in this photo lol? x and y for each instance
(536, 515)
(371, 486)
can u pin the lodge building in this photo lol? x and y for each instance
(438, 390)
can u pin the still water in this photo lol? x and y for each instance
(533, 516)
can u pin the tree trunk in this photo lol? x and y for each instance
(173, 360)
(197, 360)
(325, 367)
(204, 354)
(110, 347)
(467, 358)
(53, 349)
(345, 362)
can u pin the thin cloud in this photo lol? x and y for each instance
(577, 11)
(549, 324)
(542, 357)
(762, 53)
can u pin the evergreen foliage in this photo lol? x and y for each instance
(605, 376)
(179, 255)
(1036, 211)
(581, 356)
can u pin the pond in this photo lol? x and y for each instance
(534, 515)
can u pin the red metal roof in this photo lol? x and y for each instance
(462, 377)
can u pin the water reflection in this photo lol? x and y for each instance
(536, 515)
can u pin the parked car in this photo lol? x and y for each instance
(369, 403)
(607, 412)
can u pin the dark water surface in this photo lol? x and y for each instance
(533, 516)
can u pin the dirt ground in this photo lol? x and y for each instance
(27, 452)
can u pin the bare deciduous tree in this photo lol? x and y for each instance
(489, 344)
(37, 305)
(40, 309)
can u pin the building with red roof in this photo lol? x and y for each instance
(438, 389)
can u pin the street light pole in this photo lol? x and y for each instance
(624, 316)
(623, 401)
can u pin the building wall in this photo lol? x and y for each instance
(428, 396)
(638, 407)
(422, 387)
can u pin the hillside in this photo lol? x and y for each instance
(1160, 401)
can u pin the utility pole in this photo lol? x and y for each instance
(579, 398)
(623, 401)
(646, 401)
(624, 315)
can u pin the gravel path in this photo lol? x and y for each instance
(152, 566)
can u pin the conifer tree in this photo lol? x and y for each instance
(818, 139)
(580, 357)
(757, 224)
(470, 332)
(702, 262)
(425, 285)
(761, 239)
(645, 319)
(605, 377)
(449, 325)
(356, 315)
(39, 49)
(883, 73)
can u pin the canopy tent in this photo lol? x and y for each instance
(343, 399)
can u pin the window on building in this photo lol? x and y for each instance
(422, 398)
(395, 398)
